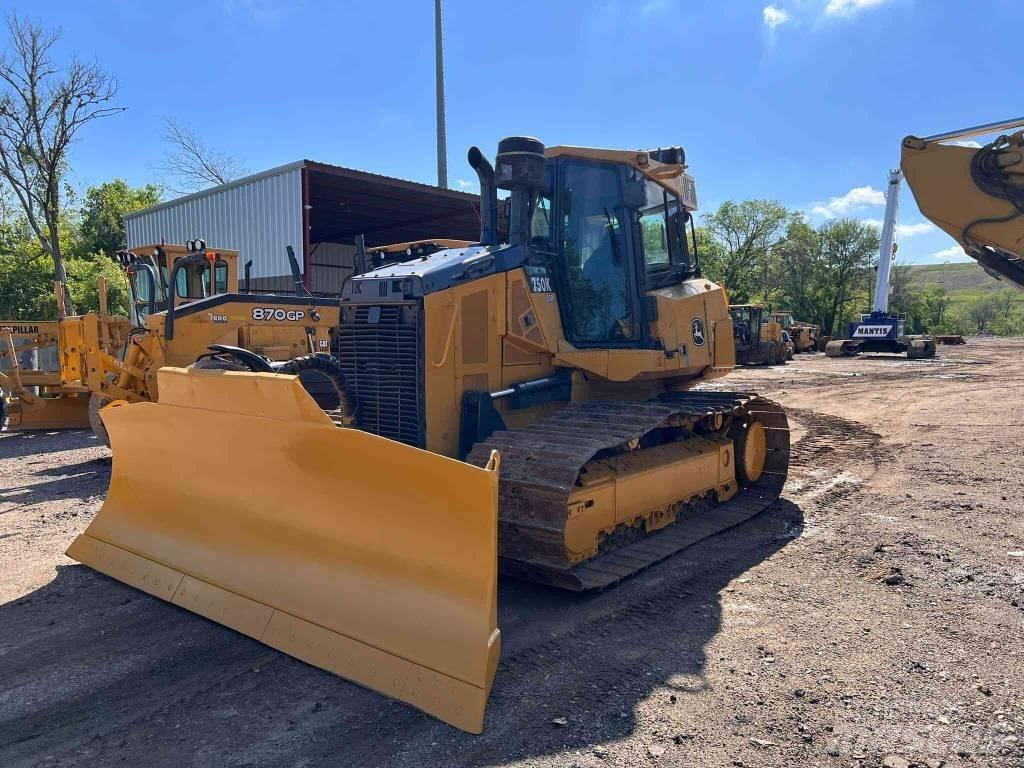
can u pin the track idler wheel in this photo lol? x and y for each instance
(842, 348)
(750, 446)
(920, 348)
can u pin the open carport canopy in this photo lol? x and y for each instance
(344, 203)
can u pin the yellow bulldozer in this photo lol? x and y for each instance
(525, 403)
(51, 392)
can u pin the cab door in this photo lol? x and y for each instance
(595, 269)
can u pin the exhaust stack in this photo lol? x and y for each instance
(488, 196)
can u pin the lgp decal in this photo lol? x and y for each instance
(697, 331)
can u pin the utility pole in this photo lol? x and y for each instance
(442, 145)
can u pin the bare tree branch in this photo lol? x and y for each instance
(190, 164)
(42, 108)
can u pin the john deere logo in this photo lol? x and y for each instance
(697, 329)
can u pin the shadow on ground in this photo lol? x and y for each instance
(86, 480)
(95, 673)
(17, 444)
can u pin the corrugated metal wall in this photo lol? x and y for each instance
(331, 263)
(258, 217)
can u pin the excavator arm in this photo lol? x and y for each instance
(974, 194)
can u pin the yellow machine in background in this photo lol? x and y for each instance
(803, 335)
(54, 396)
(186, 301)
(758, 337)
(204, 312)
(526, 400)
(975, 195)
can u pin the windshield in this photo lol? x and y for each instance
(663, 230)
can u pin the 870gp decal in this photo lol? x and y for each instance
(270, 313)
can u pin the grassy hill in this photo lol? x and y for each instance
(963, 282)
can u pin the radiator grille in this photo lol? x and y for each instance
(379, 349)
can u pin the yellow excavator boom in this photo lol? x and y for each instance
(975, 194)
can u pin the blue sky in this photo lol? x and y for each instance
(803, 101)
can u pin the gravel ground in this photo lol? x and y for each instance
(871, 617)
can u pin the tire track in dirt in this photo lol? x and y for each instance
(593, 657)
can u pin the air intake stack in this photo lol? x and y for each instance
(520, 170)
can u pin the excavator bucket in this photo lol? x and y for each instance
(237, 498)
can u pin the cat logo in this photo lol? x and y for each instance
(697, 330)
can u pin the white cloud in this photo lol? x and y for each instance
(910, 230)
(858, 197)
(774, 17)
(465, 184)
(972, 144)
(849, 7)
(953, 253)
(905, 230)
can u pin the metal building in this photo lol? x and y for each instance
(316, 208)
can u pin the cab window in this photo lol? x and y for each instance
(193, 281)
(593, 253)
(662, 235)
(220, 277)
(540, 214)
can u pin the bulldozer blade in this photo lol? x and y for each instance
(63, 412)
(237, 498)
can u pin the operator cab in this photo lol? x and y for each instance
(149, 273)
(746, 322)
(601, 228)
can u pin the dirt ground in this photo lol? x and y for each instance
(872, 617)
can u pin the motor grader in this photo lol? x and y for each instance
(526, 403)
(758, 338)
(187, 297)
(50, 394)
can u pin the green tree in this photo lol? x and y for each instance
(935, 302)
(747, 233)
(103, 211)
(848, 248)
(83, 283)
(799, 255)
(42, 108)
